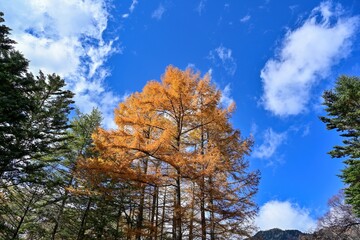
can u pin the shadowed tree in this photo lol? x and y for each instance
(340, 220)
(33, 113)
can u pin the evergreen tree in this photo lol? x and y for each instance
(14, 103)
(79, 145)
(33, 113)
(343, 114)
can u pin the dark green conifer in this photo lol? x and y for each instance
(33, 113)
(343, 114)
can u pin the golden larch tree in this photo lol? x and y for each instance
(175, 142)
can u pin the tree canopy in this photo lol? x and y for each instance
(175, 137)
(33, 112)
(174, 167)
(343, 114)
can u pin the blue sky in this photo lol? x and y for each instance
(273, 58)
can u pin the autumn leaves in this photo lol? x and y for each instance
(174, 144)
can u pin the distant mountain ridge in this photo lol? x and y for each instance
(351, 233)
(277, 234)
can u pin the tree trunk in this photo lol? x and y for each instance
(153, 212)
(202, 190)
(130, 222)
(174, 227)
(58, 217)
(118, 224)
(83, 221)
(191, 224)
(27, 208)
(178, 209)
(163, 216)
(140, 218)
(212, 214)
(157, 213)
(202, 210)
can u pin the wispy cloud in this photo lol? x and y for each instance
(125, 96)
(223, 56)
(293, 8)
(201, 7)
(306, 56)
(271, 141)
(306, 131)
(210, 72)
(226, 100)
(245, 19)
(125, 15)
(133, 4)
(254, 128)
(284, 215)
(67, 41)
(158, 13)
(191, 65)
(265, 4)
(131, 8)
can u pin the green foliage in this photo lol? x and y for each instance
(33, 113)
(81, 209)
(19, 211)
(58, 203)
(79, 145)
(82, 127)
(54, 183)
(5, 41)
(343, 108)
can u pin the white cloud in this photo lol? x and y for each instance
(125, 96)
(306, 56)
(157, 14)
(125, 15)
(66, 37)
(226, 100)
(133, 4)
(303, 130)
(201, 7)
(254, 128)
(191, 65)
(131, 9)
(210, 72)
(306, 131)
(272, 140)
(286, 216)
(245, 18)
(293, 8)
(224, 56)
(223, 53)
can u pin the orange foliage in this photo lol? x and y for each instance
(172, 130)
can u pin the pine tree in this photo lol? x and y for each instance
(14, 103)
(21, 209)
(33, 129)
(33, 113)
(343, 114)
(79, 145)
